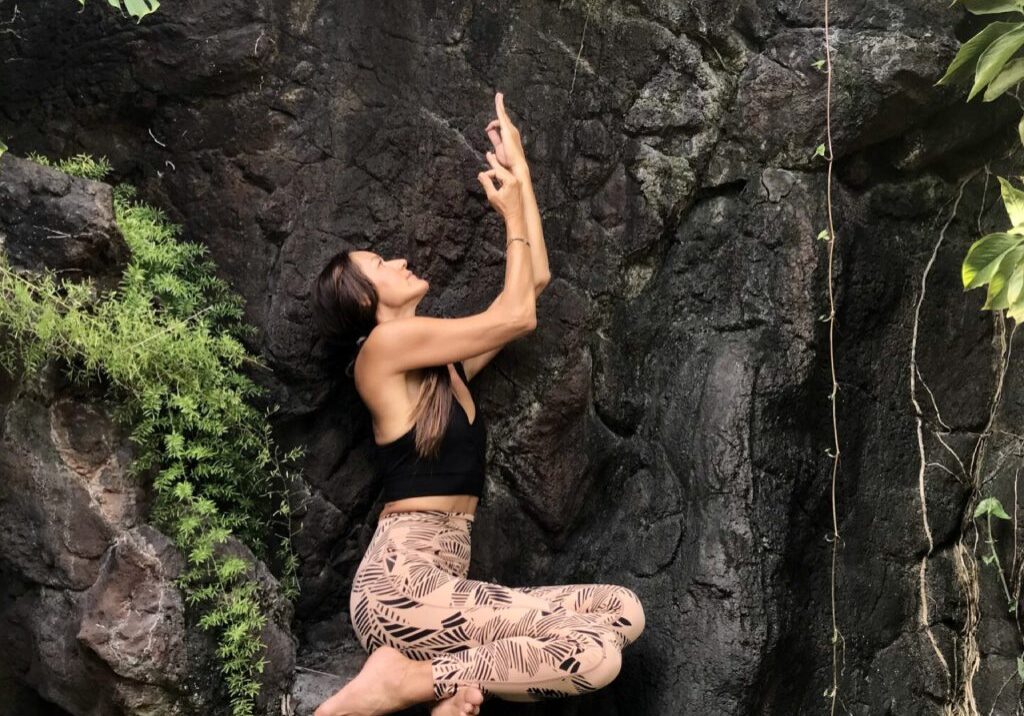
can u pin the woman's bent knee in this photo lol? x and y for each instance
(605, 671)
(633, 613)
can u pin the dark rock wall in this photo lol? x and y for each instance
(666, 427)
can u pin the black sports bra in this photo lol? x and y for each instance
(458, 468)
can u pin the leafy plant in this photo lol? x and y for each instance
(166, 345)
(136, 8)
(988, 507)
(997, 260)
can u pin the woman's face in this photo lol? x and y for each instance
(396, 285)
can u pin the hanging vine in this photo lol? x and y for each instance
(828, 236)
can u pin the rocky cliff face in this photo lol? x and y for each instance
(91, 620)
(666, 427)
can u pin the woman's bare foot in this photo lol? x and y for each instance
(385, 684)
(467, 700)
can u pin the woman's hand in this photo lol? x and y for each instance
(508, 146)
(508, 199)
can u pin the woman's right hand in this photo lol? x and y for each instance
(506, 199)
(508, 144)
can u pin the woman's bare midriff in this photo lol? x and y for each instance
(447, 503)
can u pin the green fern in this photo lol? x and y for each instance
(167, 346)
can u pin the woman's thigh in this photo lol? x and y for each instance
(407, 602)
(610, 605)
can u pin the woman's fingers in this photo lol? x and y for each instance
(494, 134)
(493, 131)
(503, 119)
(511, 141)
(504, 174)
(487, 179)
(499, 106)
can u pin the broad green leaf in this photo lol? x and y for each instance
(990, 505)
(967, 56)
(1008, 78)
(982, 259)
(996, 298)
(1016, 310)
(139, 8)
(1015, 283)
(136, 8)
(3, 147)
(1013, 200)
(992, 60)
(988, 7)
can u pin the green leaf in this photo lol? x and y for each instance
(136, 8)
(1015, 284)
(3, 147)
(139, 9)
(967, 56)
(1013, 200)
(989, 7)
(819, 151)
(988, 558)
(1008, 78)
(1016, 309)
(1020, 668)
(997, 298)
(984, 256)
(990, 506)
(992, 60)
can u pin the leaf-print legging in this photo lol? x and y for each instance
(410, 592)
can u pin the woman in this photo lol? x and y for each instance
(432, 633)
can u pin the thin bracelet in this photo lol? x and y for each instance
(516, 239)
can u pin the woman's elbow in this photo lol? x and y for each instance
(541, 283)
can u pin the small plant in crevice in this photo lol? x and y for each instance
(166, 346)
(988, 507)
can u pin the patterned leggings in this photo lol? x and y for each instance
(517, 643)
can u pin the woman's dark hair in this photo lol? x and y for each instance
(345, 311)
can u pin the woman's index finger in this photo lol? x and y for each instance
(499, 105)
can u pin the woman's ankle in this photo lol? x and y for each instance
(418, 681)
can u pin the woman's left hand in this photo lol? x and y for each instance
(494, 133)
(493, 130)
